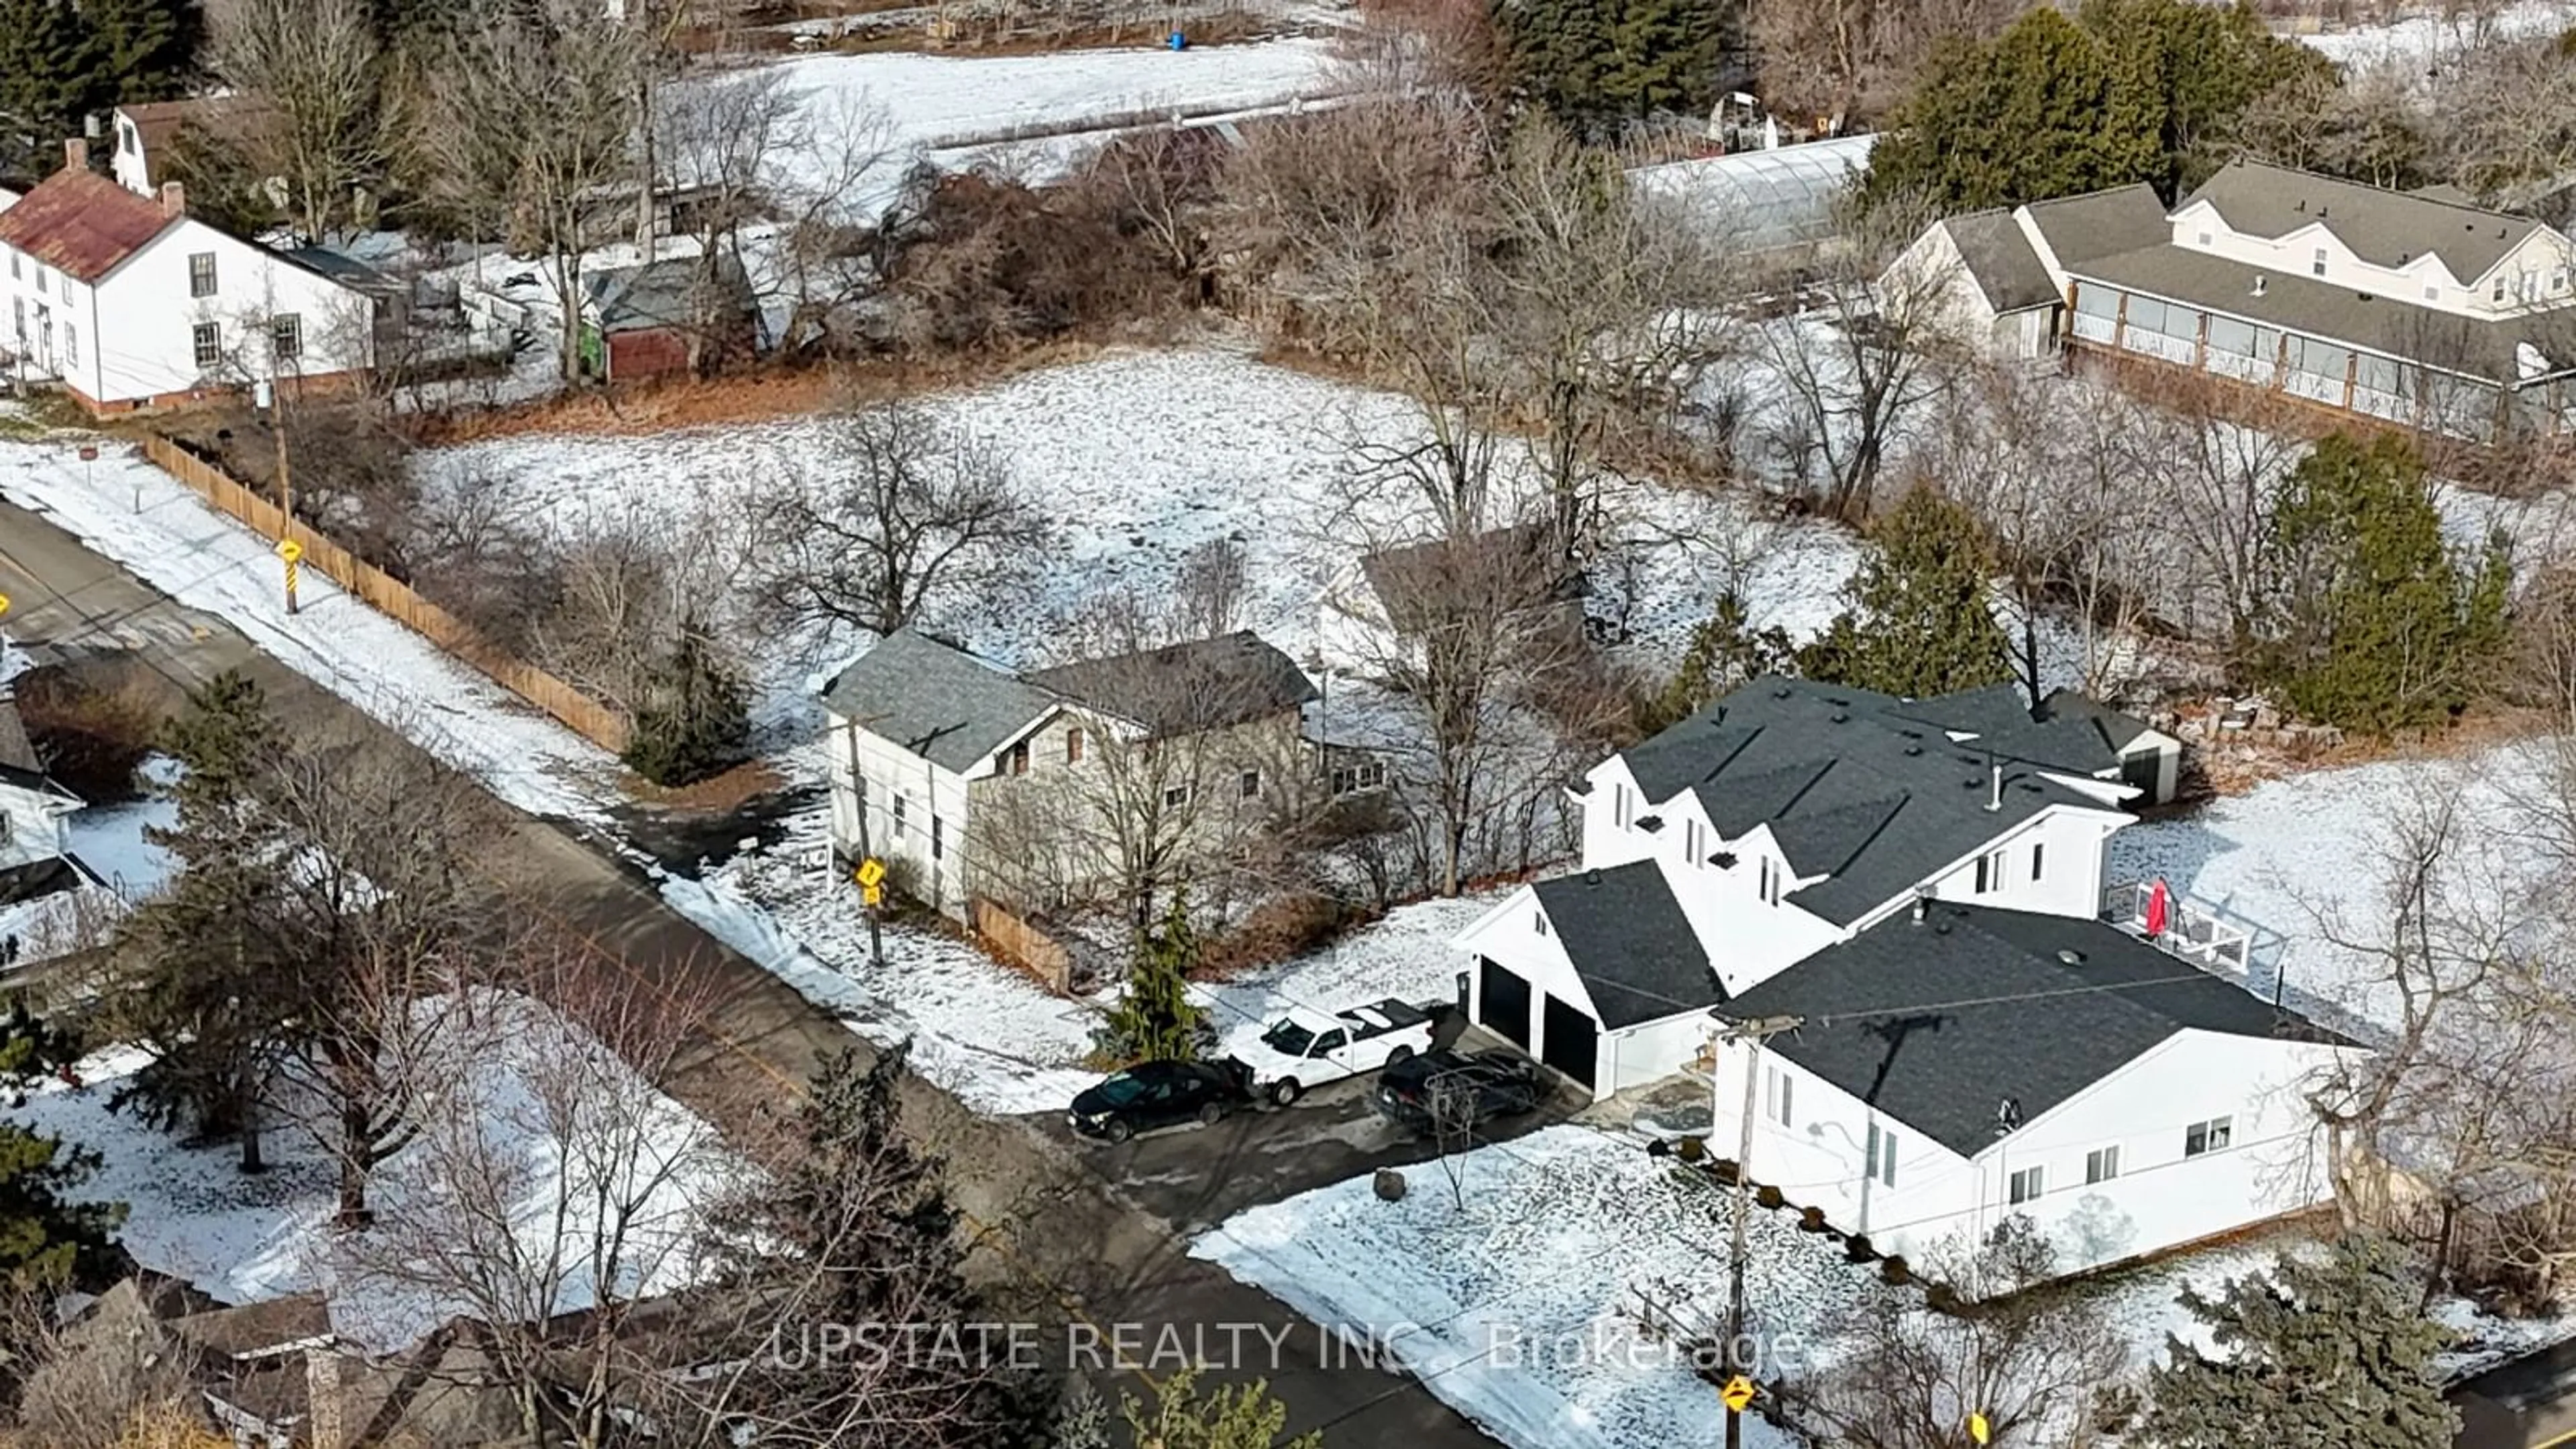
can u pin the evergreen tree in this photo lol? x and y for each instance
(1919, 622)
(1155, 1019)
(1725, 651)
(198, 982)
(1243, 1417)
(2377, 626)
(854, 1230)
(45, 1240)
(2325, 1352)
(48, 75)
(693, 721)
(1598, 64)
(142, 50)
(2181, 76)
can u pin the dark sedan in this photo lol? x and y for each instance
(1157, 1094)
(1446, 1089)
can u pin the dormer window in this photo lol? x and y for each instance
(1619, 807)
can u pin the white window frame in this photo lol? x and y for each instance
(2214, 1135)
(2101, 1165)
(1619, 806)
(897, 812)
(2038, 860)
(1990, 873)
(208, 285)
(2317, 262)
(1249, 786)
(1176, 796)
(1779, 1098)
(286, 337)
(1879, 1160)
(206, 345)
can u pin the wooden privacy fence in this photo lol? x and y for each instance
(1024, 945)
(609, 728)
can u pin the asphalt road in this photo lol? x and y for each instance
(1103, 1234)
(2526, 1404)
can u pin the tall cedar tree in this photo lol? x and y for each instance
(693, 721)
(198, 980)
(48, 75)
(1596, 65)
(1919, 621)
(45, 1240)
(144, 50)
(2129, 91)
(855, 1228)
(2329, 1351)
(2378, 627)
(1154, 1019)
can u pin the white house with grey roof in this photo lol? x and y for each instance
(931, 744)
(1921, 882)
(46, 892)
(2409, 307)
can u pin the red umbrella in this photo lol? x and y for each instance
(2159, 902)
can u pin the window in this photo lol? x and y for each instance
(1367, 775)
(2498, 294)
(71, 346)
(1777, 1104)
(2038, 860)
(1250, 785)
(1770, 883)
(127, 141)
(2209, 1136)
(1881, 1162)
(1329, 1043)
(286, 343)
(201, 274)
(898, 817)
(2204, 238)
(1016, 762)
(1538, 920)
(13, 264)
(1990, 872)
(2101, 1165)
(1619, 806)
(208, 340)
(2317, 263)
(1073, 747)
(2027, 1184)
(2558, 280)
(938, 837)
(1690, 841)
(67, 286)
(18, 318)
(2432, 291)
(1176, 795)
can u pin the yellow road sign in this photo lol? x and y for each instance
(871, 872)
(1979, 1429)
(4, 603)
(873, 895)
(1737, 1393)
(289, 550)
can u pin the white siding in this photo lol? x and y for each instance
(927, 793)
(147, 319)
(34, 829)
(2067, 880)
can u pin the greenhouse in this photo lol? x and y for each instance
(1761, 200)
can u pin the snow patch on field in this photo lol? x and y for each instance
(127, 510)
(1517, 1309)
(2422, 39)
(247, 1239)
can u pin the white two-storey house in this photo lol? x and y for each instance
(1919, 887)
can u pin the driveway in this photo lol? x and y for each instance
(2527, 1404)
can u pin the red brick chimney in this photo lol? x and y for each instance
(75, 154)
(174, 199)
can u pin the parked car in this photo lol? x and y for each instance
(1467, 1090)
(1158, 1094)
(1304, 1050)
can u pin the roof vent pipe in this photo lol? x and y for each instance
(1995, 798)
(1922, 905)
(2258, 284)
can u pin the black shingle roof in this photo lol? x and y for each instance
(1630, 943)
(1860, 786)
(1180, 689)
(1938, 1022)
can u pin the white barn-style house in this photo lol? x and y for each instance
(126, 301)
(1920, 884)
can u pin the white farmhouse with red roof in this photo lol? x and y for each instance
(126, 301)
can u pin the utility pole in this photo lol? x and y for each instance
(867, 851)
(1753, 1034)
(287, 547)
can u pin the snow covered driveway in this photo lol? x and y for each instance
(1515, 1309)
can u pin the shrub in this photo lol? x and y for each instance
(693, 722)
(91, 728)
(1769, 1197)
(1279, 928)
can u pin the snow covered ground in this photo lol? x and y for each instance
(246, 1239)
(994, 1037)
(1517, 1309)
(109, 839)
(128, 510)
(2421, 39)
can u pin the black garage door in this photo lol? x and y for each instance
(1505, 1002)
(1569, 1041)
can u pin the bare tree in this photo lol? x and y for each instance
(552, 1187)
(2032, 1360)
(529, 120)
(898, 513)
(316, 68)
(1865, 356)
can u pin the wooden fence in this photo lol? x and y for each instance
(609, 728)
(1024, 946)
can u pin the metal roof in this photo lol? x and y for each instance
(1762, 199)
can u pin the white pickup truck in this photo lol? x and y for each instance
(1304, 1050)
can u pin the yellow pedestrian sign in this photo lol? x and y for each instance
(1737, 1393)
(873, 895)
(871, 872)
(4, 603)
(1979, 1429)
(289, 550)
